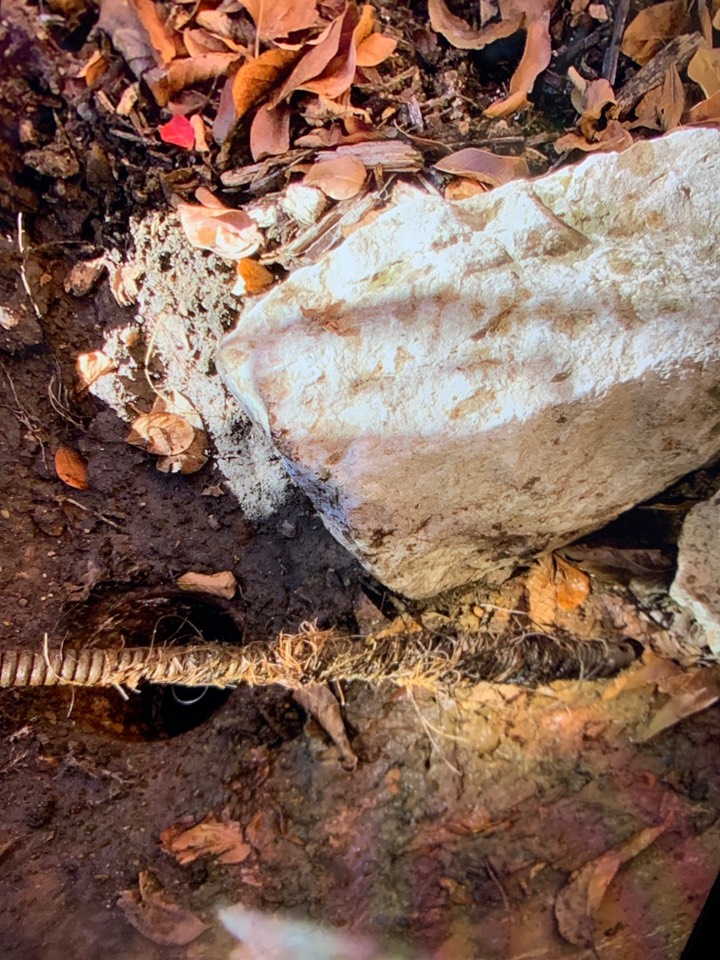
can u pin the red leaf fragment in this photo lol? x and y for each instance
(179, 132)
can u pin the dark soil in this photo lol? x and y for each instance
(466, 815)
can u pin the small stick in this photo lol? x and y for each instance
(610, 60)
(678, 53)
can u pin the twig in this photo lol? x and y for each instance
(610, 60)
(677, 53)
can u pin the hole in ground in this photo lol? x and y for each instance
(149, 618)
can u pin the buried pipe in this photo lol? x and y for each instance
(315, 656)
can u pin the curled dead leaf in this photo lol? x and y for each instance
(151, 911)
(536, 57)
(484, 166)
(707, 111)
(257, 77)
(652, 28)
(320, 703)
(461, 35)
(340, 178)
(270, 131)
(164, 434)
(572, 586)
(213, 226)
(614, 137)
(222, 584)
(91, 366)
(71, 468)
(578, 902)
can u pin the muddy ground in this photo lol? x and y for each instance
(459, 832)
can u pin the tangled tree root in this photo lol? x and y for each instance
(315, 656)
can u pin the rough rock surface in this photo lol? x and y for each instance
(459, 384)
(696, 586)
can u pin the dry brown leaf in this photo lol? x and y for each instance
(707, 111)
(652, 28)
(374, 49)
(614, 137)
(326, 55)
(340, 178)
(252, 278)
(188, 461)
(192, 70)
(461, 35)
(222, 584)
(225, 841)
(662, 107)
(704, 69)
(484, 166)
(572, 586)
(339, 73)
(536, 56)
(95, 67)
(156, 916)
(318, 701)
(257, 77)
(91, 366)
(71, 467)
(213, 226)
(577, 903)
(689, 693)
(278, 18)
(270, 131)
(160, 36)
(164, 434)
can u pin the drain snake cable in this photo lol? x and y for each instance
(313, 656)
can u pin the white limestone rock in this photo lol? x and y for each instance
(460, 384)
(696, 586)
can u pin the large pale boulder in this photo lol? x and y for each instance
(464, 383)
(696, 586)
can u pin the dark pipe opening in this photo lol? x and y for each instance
(147, 618)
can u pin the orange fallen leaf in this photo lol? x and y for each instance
(223, 840)
(186, 72)
(213, 226)
(340, 178)
(91, 366)
(578, 902)
(201, 144)
(484, 166)
(461, 188)
(252, 278)
(540, 589)
(257, 77)
(151, 911)
(339, 73)
(222, 584)
(572, 586)
(71, 468)
(374, 49)
(278, 19)
(652, 28)
(160, 36)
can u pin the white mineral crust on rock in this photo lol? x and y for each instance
(463, 383)
(696, 586)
